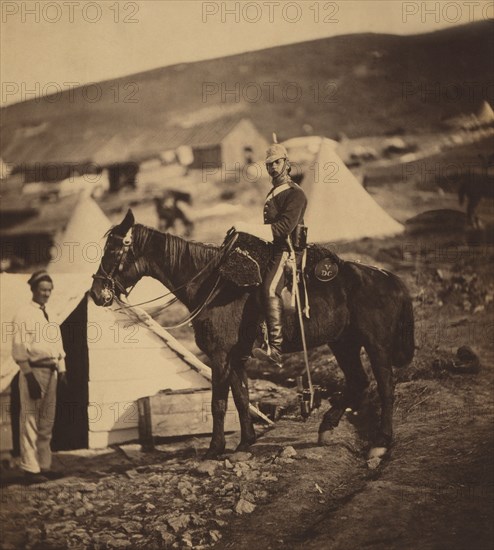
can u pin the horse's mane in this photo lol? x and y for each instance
(177, 248)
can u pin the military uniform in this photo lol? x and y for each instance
(283, 218)
(283, 210)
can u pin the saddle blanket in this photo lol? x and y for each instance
(247, 262)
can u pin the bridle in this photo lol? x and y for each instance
(110, 283)
(108, 293)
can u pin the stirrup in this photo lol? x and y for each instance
(268, 356)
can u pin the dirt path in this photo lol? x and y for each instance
(436, 490)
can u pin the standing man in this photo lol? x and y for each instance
(37, 349)
(283, 225)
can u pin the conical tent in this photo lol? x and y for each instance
(79, 248)
(339, 208)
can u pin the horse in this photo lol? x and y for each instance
(362, 307)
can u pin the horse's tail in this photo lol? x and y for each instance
(462, 191)
(404, 339)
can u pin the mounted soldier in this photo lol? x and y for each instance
(284, 210)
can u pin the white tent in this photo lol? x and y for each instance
(339, 208)
(80, 247)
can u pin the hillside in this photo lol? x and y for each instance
(357, 84)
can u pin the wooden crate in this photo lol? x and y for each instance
(178, 413)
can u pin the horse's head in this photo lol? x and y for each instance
(118, 269)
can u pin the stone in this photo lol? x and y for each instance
(119, 543)
(108, 521)
(311, 455)
(88, 488)
(288, 452)
(244, 507)
(177, 523)
(165, 535)
(215, 535)
(131, 527)
(240, 456)
(281, 460)
(223, 511)
(207, 467)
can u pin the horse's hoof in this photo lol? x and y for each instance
(375, 457)
(212, 454)
(241, 447)
(325, 437)
(377, 452)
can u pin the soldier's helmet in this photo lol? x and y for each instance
(276, 151)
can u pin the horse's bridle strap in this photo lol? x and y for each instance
(118, 266)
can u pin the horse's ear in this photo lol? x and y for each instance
(126, 223)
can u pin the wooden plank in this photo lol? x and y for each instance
(120, 415)
(181, 414)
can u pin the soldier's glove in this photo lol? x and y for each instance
(33, 386)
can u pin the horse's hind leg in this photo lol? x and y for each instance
(240, 392)
(381, 363)
(347, 353)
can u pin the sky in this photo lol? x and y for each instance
(52, 45)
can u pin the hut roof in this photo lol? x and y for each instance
(64, 146)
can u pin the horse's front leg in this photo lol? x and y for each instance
(219, 401)
(240, 391)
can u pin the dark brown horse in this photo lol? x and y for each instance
(362, 307)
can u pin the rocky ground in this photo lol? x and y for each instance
(433, 491)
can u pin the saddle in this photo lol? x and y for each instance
(247, 261)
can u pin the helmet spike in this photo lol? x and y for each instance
(275, 138)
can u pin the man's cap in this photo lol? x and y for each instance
(39, 276)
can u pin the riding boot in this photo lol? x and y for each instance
(274, 311)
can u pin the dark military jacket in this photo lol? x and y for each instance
(284, 209)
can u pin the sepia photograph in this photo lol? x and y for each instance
(246, 274)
